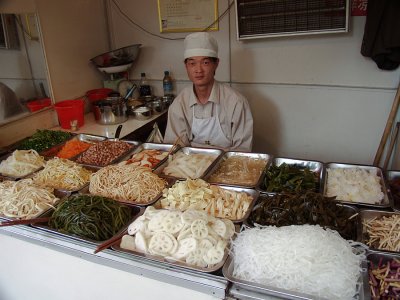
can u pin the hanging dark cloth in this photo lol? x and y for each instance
(381, 39)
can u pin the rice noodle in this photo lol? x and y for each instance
(303, 258)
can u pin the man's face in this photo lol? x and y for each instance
(201, 70)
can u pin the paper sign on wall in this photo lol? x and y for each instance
(187, 15)
(359, 7)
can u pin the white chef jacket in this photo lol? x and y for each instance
(233, 111)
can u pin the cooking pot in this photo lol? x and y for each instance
(111, 110)
(157, 106)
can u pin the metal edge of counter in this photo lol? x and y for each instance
(205, 283)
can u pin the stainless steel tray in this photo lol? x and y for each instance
(234, 181)
(351, 210)
(170, 182)
(116, 247)
(316, 167)
(10, 177)
(148, 146)
(369, 214)
(116, 159)
(216, 153)
(136, 211)
(392, 175)
(58, 193)
(386, 203)
(252, 192)
(83, 137)
(375, 258)
(265, 290)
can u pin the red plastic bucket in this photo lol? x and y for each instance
(97, 94)
(69, 110)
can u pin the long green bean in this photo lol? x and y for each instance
(93, 217)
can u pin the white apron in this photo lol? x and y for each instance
(208, 133)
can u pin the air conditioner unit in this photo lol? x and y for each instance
(273, 18)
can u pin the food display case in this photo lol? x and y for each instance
(216, 282)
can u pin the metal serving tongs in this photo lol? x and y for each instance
(176, 146)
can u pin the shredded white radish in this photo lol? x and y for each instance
(299, 258)
(355, 185)
(21, 163)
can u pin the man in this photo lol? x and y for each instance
(9, 103)
(208, 113)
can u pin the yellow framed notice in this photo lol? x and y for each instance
(187, 15)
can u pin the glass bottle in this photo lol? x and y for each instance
(167, 84)
(144, 87)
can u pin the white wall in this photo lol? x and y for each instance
(313, 97)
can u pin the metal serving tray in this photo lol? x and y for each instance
(188, 151)
(134, 144)
(170, 182)
(83, 137)
(58, 193)
(252, 192)
(88, 167)
(375, 258)
(386, 202)
(234, 181)
(172, 262)
(392, 175)
(265, 290)
(314, 166)
(148, 146)
(352, 211)
(136, 211)
(10, 177)
(369, 214)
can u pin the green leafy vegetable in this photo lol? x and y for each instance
(93, 217)
(44, 139)
(289, 178)
(304, 208)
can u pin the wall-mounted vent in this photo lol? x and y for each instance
(271, 18)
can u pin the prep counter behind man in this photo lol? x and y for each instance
(208, 113)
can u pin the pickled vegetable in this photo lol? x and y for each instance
(289, 178)
(308, 208)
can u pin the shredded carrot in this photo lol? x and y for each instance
(72, 148)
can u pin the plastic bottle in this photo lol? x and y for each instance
(167, 84)
(144, 87)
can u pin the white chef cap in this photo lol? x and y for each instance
(200, 44)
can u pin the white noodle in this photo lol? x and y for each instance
(305, 259)
(60, 173)
(126, 183)
(22, 199)
(21, 163)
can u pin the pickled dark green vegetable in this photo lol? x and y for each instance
(289, 178)
(44, 139)
(93, 217)
(304, 208)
